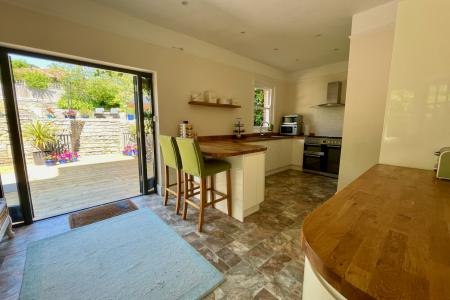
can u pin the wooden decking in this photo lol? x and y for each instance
(80, 186)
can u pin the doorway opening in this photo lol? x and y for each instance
(85, 134)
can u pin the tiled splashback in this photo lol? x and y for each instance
(328, 121)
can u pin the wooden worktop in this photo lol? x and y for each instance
(385, 236)
(227, 148)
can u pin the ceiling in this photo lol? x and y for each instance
(286, 34)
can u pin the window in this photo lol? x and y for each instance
(262, 106)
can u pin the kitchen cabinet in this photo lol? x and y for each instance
(282, 154)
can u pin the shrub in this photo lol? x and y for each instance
(85, 88)
(36, 79)
(41, 135)
(20, 63)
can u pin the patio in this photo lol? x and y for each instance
(91, 181)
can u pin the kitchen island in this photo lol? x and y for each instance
(385, 236)
(247, 174)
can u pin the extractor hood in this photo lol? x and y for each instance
(333, 95)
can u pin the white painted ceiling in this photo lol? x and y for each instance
(307, 33)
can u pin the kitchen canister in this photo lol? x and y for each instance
(186, 130)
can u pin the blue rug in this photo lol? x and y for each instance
(132, 256)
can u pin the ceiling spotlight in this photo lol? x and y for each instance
(185, 2)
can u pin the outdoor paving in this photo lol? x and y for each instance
(261, 258)
(80, 185)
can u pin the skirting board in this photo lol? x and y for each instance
(251, 210)
(160, 187)
(278, 170)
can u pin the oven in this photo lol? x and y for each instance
(333, 159)
(321, 155)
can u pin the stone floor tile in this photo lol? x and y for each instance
(228, 256)
(264, 294)
(257, 256)
(260, 258)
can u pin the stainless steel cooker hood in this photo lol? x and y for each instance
(333, 95)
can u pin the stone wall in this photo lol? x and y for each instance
(95, 137)
(91, 136)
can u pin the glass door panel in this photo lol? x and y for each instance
(8, 180)
(78, 128)
(149, 125)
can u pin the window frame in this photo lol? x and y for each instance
(270, 109)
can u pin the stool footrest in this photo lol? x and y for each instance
(172, 192)
(189, 199)
(192, 203)
(216, 200)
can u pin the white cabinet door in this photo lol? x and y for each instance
(297, 153)
(283, 154)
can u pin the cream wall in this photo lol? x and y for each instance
(368, 76)
(308, 88)
(178, 73)
(418, 106)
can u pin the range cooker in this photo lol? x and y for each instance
(322, 155)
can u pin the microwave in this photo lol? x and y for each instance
(289, 129)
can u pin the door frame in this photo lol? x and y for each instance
(15, 134)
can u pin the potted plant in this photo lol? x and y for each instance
(130, 113)
(42, 138)
(62, 158)
(70, 114)
(51, 159)
(85, 113)
(50, 113)
(130, 150)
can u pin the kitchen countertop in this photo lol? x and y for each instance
(226, 146)
(385, 236)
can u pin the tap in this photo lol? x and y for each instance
(262, 126)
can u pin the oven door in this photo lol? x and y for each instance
(333, 159)
(313, 158)
(312, 162)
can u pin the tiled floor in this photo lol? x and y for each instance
(261, 258)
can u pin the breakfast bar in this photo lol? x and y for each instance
(385, 236)
(247, 174)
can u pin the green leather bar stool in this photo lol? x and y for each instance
(194, 165)
(172, 160)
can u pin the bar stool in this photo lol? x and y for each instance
(194, 165)
(172, 160)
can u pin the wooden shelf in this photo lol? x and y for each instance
(213, 104)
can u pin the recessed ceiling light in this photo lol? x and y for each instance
(243, 32)
(275, 49)
(318, 35)
(185, 2)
